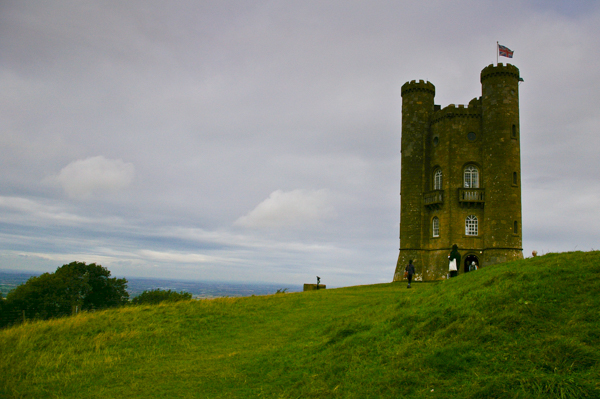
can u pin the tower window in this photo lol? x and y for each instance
(513, 133)
(515, 227)
(436, 226)
(471, 225)
(471, 177)
(515, 178)
(437, 180)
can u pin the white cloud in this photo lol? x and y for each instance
(289, 209)
(44, 213)
(96, 175)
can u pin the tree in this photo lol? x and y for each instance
(4, 316)
(41, 297)
(156, 296)
(75, 284)
(99, 290)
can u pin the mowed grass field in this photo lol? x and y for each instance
(525, 329)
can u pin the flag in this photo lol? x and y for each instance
(505, 51)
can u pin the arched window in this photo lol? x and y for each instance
(437, 179)
(471, 176)
(471, 225)
(435, 226)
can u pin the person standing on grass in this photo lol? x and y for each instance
(410, 270)
(454, 261)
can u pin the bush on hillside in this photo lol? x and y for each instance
(73, 286)
(156, 296)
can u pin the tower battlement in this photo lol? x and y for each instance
(499, 70)
(414, 86)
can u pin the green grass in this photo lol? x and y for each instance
(526, 329)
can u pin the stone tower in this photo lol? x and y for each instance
(461, 176)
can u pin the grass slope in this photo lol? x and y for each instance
(525, 329)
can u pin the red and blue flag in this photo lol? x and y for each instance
(505, 51)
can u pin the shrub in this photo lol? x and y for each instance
(156, 296)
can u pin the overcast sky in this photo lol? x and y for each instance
(260, 140)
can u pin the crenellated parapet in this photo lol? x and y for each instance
(473, 110)
(499, 70)
(420, 86)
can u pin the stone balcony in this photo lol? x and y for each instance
(433, 199)
(471, 197)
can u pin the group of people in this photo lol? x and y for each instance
(453, 262)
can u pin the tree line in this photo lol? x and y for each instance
(72, 288)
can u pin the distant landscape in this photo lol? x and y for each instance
(10, 279)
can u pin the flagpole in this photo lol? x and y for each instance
(497, 51)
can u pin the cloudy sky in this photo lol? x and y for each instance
(260, 140)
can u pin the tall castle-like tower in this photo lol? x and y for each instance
(461, 176)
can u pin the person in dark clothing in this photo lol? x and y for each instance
(410, 270)
(454, 261)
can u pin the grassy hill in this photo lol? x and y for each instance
(525, 329)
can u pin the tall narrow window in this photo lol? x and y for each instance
(516, 228)
(436, 226)
(437, 179)
(471, 177)
(471, 225)
(513, 133)
(515, 178)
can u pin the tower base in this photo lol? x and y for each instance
(431, 265)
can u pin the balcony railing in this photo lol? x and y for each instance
(471, 196)
(434, 199)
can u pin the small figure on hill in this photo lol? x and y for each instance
(453, 261)
(410, 271)
(318, 281)
(534, 253)
(472, 266)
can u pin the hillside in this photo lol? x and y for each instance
(524, 329)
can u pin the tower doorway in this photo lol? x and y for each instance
(469, 259)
